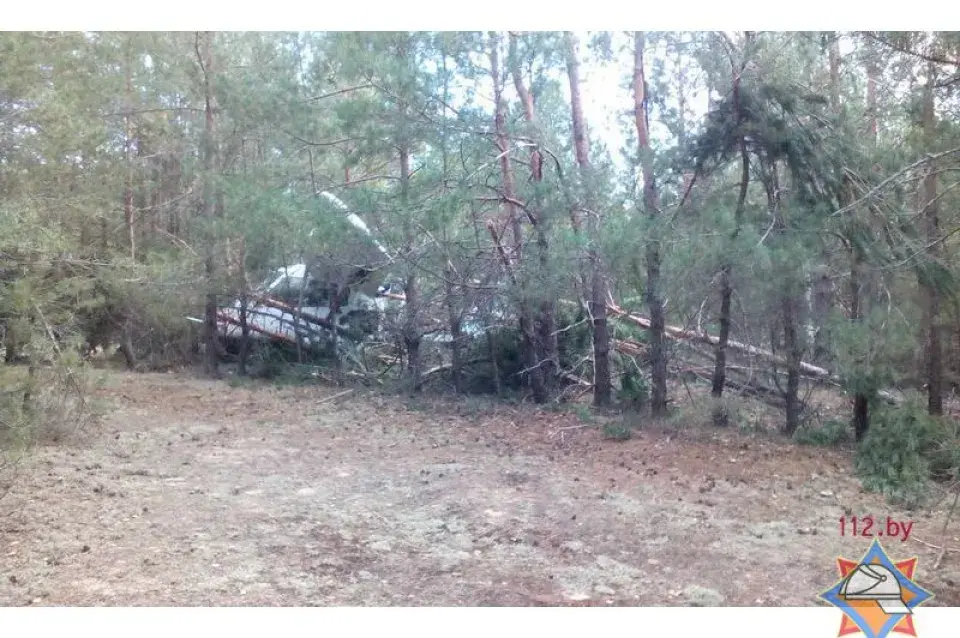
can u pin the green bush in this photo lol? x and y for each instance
(726, 410)
(480, 377)
(832, 433)
(576, 339)
(634, 389)
(617, 431)
(585, 414)
(905, 449)
(944, 450)
(508, 346)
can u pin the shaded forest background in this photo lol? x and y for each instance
(796, 241)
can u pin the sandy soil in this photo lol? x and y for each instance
(192, 492)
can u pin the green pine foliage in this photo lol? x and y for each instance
(905, 450)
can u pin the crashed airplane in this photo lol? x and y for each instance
(334, 294)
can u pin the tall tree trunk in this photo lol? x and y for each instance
(873, 72)
(451, 289)
(819, 291)
(861, 291)
(152, 186)
(720, 351)
(546, 323)
(602, 386)
(204, 50)
(142, 192)
(790, 303)
(244, 304)
(172, 187)
(794, 355)
(861, 401)
(931, 222)
(726, 283)
(658, 354)
(833, 53)
(514, 266)
(411, 328)
(128, 213)
(244, 285)
(456, 332)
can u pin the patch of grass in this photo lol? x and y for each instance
(617, 431)
(633, 420)
(585, 414)
(698, 415)
(831, 434)
(752, 425)
(684, 417)
(97, 407)
(43, 404)
(417, 402)
(748, 416)
(474, 406)
(726, 411)
(99, 381)
(237, 382)
(294, 374)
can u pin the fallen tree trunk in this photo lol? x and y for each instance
(703, 337)
(811, 370)
(751, 387)
(627, 347)
(680, 334)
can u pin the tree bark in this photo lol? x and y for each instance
(492, 349)
(720, 351)
(456, 333)
(451, 289)
(834, 58)
(657, 350)
(726, 284)
(204, 49)
(244, 327)
(514, 266)
(789, 302)
(792, 343)
(931, 221)
(411, 329)
(546, 323)
(602, 386)
(128, 213)
(873, 72)
(861, 401)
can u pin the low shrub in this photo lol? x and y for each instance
(905, 449)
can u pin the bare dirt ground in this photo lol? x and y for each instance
(193, 492)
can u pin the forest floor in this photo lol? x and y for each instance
(195, 492)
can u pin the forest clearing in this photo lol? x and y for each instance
(476, 318)
(192, 492)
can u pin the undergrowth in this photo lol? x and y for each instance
(40, 404)
(905, 450)
(830, 434)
